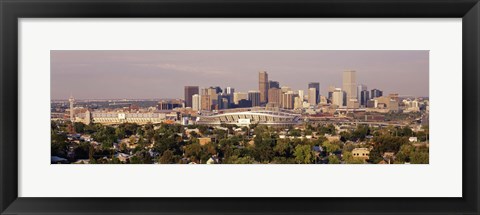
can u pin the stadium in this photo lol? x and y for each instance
(245, 117)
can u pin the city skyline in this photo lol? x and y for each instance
(164, 74)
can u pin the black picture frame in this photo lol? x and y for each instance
(12, 10)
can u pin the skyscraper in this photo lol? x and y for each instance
(360, 88)
(288, 100)
(285, 89)
(298, 103)
(331, 89)
(312, 96)
(301, 94)
(189, 92)
(364, 97)
(206, 99)
(262, 87)
(72, 101)
(350, 85)
(230, 91)
(273, 84)
(254, 97)
(223, 101)
(376, 93)
(237, 96)
(196, 102)
(338, 97)
(315, 85)
(274, 96)
(205, 102)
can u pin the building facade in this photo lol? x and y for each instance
(364, 97)
(237, 96)
(315, 85)
(374, 93)
(338, 97)
(312, 96)
(254, 97)
(189, 92)
(350, 85)
(263, 86)
(274, 96)
(288, 100)
(196, 102)
(273, 84)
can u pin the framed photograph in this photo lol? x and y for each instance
(228, 107)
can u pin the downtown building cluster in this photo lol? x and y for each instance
(271, 94)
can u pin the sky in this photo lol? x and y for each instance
(163, 74)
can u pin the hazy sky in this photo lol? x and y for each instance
(163, 74)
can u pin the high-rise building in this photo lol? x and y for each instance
(196, 102)
(273, 84)
(263, 86)
(298, 103)
(315, 85)
(360, 88)
(205, 102)
(323, 100)
(312, 96)
(331, 89)
(230, 91)
(364, 97)
(301, 94)
(72, 111)
(285, 89)
(189, 92)
(223, 101)
(237, 96)
(338, 97)
(213, 93)
(350, 85)
(274, 96)
(254, 97)
(206, 96)
(288, 100)
(376, 93)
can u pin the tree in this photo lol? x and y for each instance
(295, 133)
(375, 156)
(303, 154)
(120, 132)
(333, 159)
(239, 160)
(79, 127)
(419, 157)
(58, 145)
(360, 133)
(282, 148)
(82, 150)
(263, 148)
(412, 154)
(194, 151)
(331, 147)
(167, 157)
